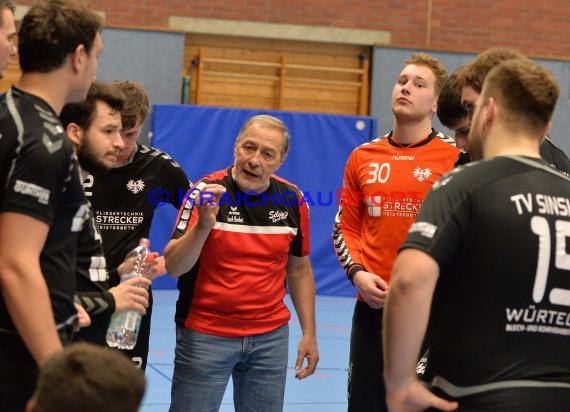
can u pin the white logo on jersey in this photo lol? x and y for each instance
(234, 215)
(29, 189)
(135, 187)
(403, 157)
(373, 203)
(422, 174)
(277, 215)
(424, 228)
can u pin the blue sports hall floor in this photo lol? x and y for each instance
(325, 391)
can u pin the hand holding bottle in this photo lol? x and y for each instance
(131, 294)
(124, 326)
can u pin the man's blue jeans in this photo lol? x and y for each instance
(204, 363)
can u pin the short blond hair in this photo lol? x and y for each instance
(436, 67)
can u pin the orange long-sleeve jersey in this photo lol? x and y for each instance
(384, 186)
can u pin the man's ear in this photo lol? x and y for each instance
(489, 114)
(78, 57)
(75, 133)
(434, 105)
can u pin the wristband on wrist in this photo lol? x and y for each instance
(352, 271)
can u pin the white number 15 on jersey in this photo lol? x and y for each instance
(541, 228)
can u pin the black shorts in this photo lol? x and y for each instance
(366, 391)
(18, 373)
(513, 400)
(366, 387)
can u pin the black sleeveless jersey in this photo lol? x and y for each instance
(40, 178)
(499, 230)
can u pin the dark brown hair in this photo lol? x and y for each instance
(525, 91)
(475, 72)
(82, 113)
(449, 108)
(88, 378)
(51, 30)
(136, 107)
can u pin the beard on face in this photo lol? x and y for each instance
(88, 160)
(475, 142)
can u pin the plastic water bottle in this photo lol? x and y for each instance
(124, 326)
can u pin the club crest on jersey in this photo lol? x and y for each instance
(422, 174)
(135, 186)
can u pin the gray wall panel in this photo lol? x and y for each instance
(154, 59)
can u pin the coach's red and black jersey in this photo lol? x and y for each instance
(238, 284)
(39, 177)
(124, 199)
(499, 230)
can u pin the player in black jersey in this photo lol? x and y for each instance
(488, 254)
(94, 127)
(123, 198)
(42, 205)
(472, 78)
